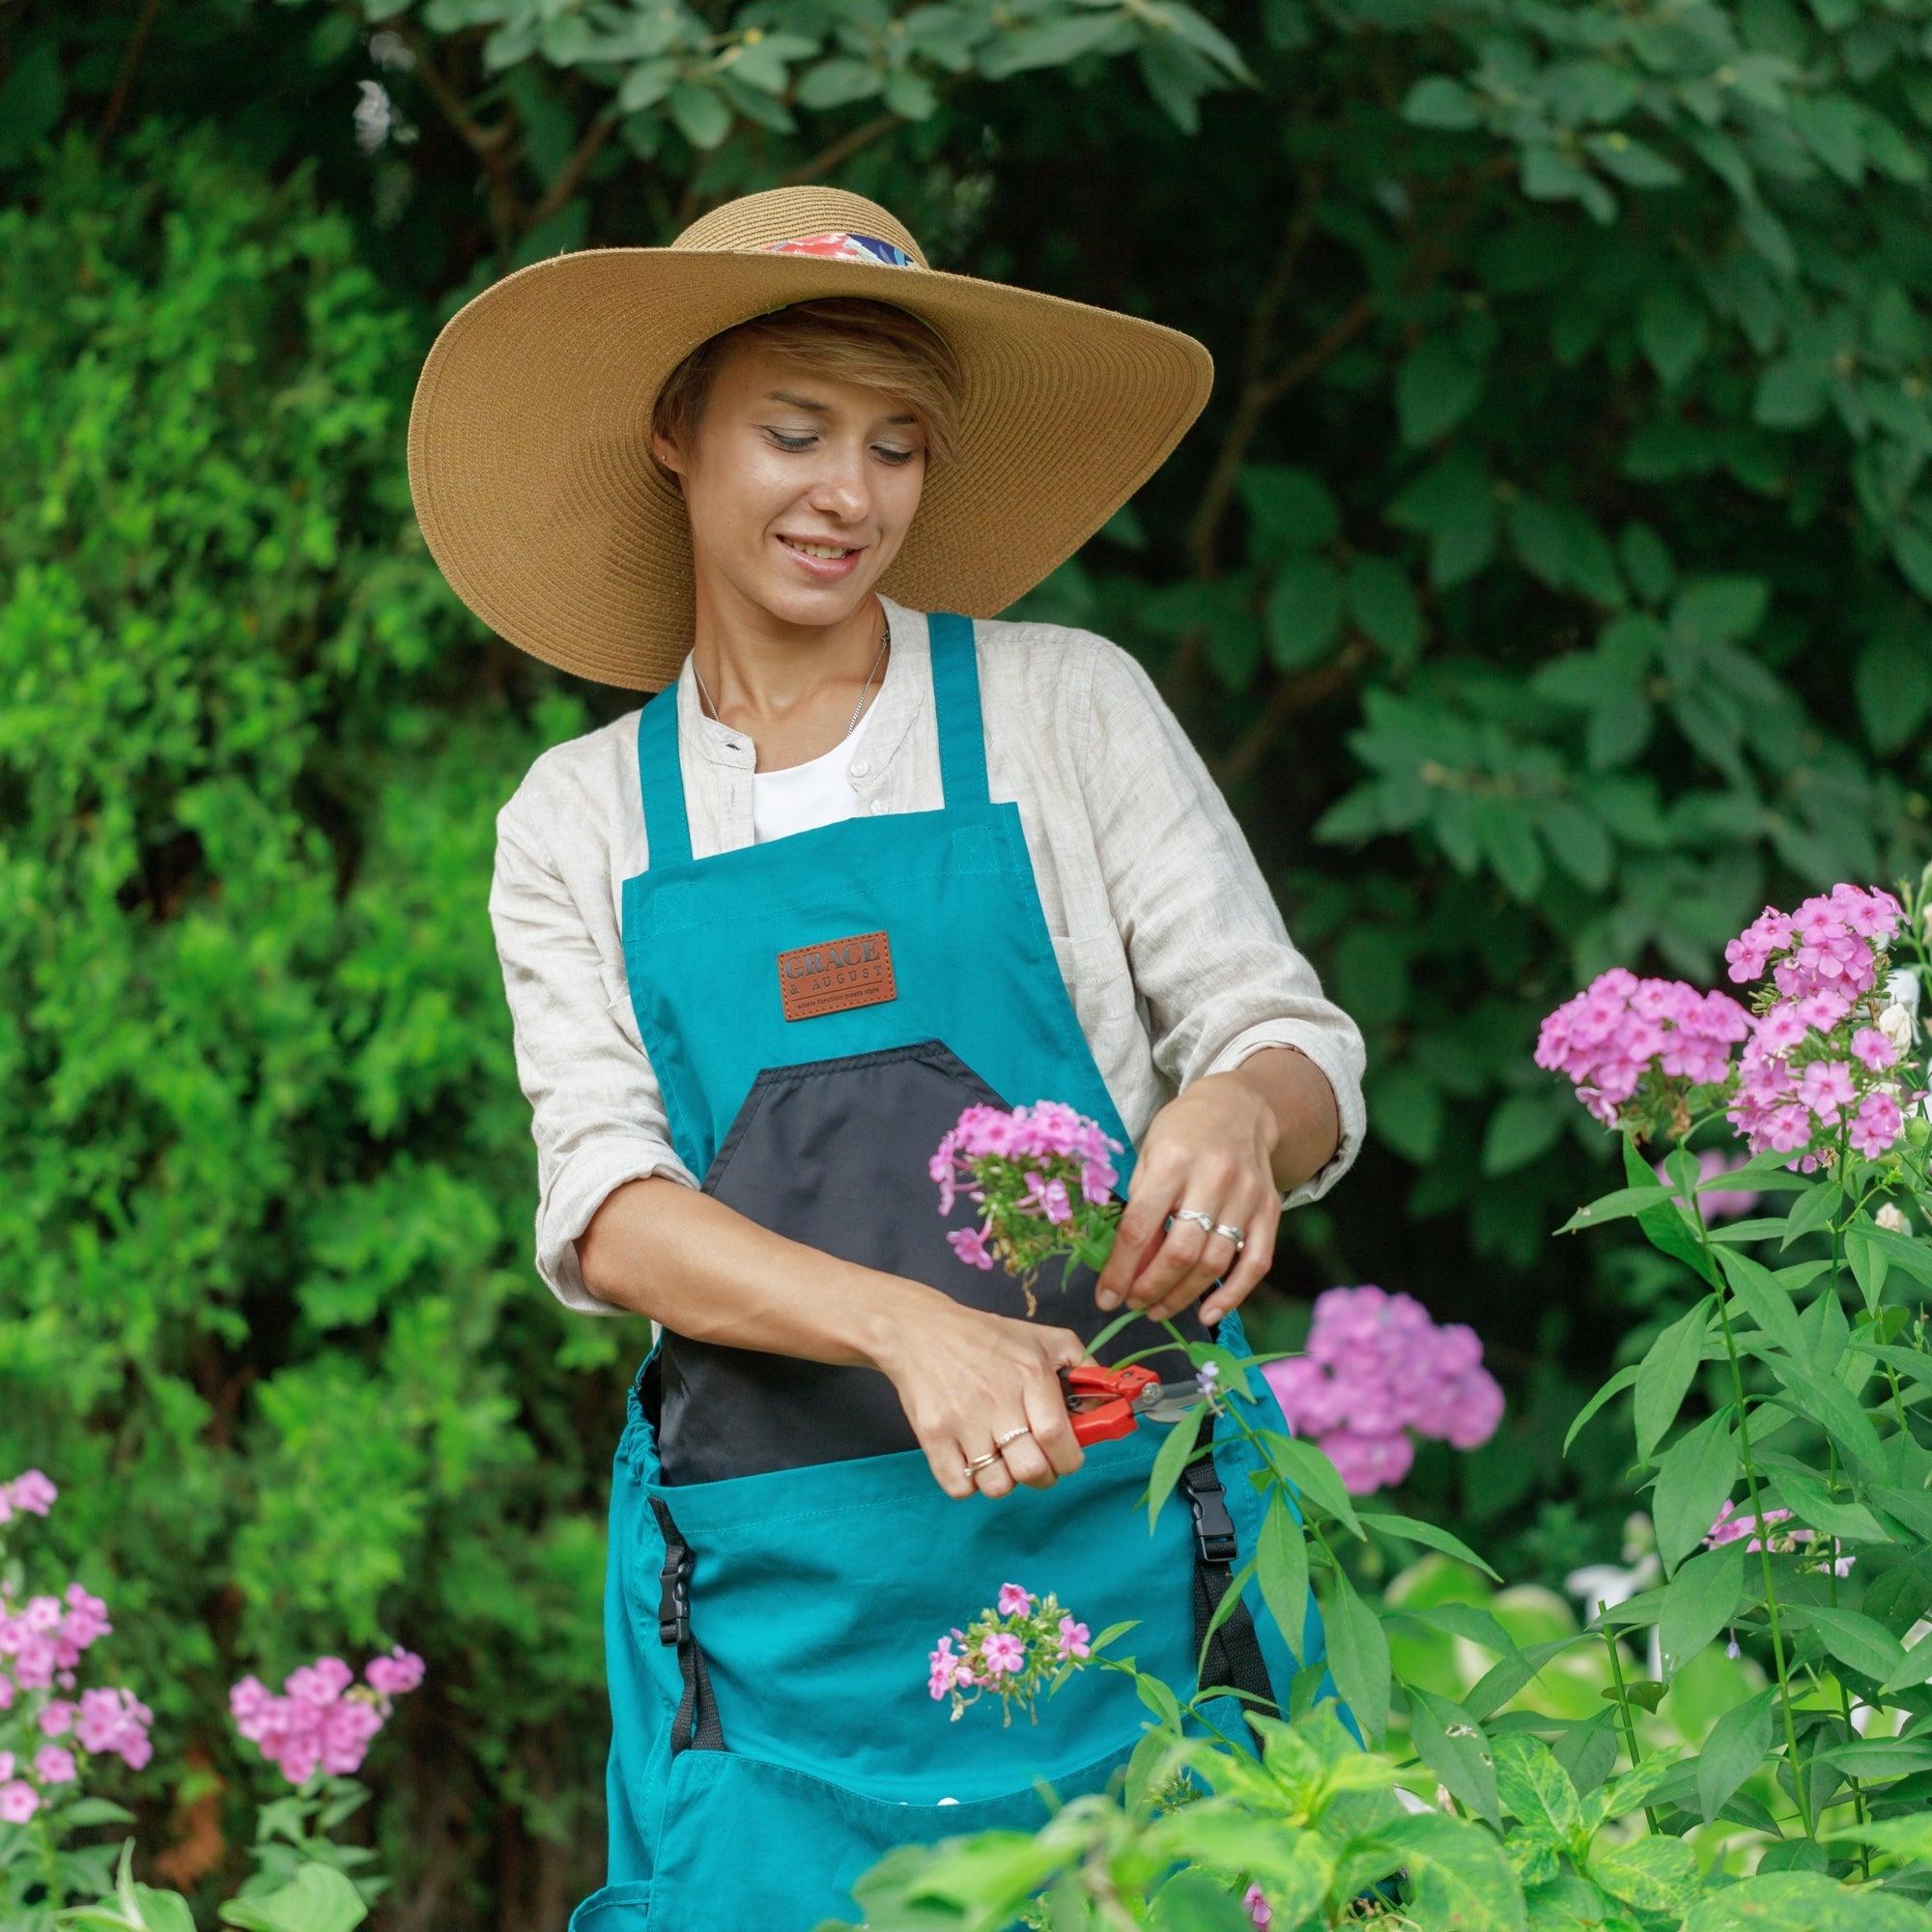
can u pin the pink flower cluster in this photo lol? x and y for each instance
(1607, 1037)
(1048, 1130)
(1797, 1077)
(326, 1721)
(42, 1639)
(1376, 1367)
(1731, 1528)
(29, 1494)
(1011, 1650)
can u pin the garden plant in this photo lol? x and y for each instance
(1792, 1521)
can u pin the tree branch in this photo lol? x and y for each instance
(130, 62)
(1290, 695)
(840, 151)
(571, 173)
(489, 145)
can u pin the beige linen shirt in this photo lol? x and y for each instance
(1171, 948)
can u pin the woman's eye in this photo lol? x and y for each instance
(888, 454)
(786, 441)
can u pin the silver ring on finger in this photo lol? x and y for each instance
(1011, 1435)
(1238, 1235)
(985, 1461)
(1205, 1222)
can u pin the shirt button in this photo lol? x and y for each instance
(878, 808)
(860, 767)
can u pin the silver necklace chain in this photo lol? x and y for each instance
(864, 692)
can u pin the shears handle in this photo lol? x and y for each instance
(1102, 1402)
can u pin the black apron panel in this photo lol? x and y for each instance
(835, 1153)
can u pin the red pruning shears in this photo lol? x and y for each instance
(1109, 1402)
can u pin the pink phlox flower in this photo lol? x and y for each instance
(6, 1765)
(1074, 1638)
(1778, 1030)
(54, 1765)
(57, 1718)
(344, 1735)
(970, 1245)
(1002, 1655)
(1826, 1086)
(32, 1493)
(1047, 1198)
(1261, 1913)
(321, 1682)
(1877, 1125)
(391, 1676)
(1013, 1602)
(1367, 1463)
(1873, 1049)
(943, 1668)
(1822, 1011)
(41, 1614)
(18, 1802)
(6, 1691)
(1730, 1526)
(114, 1719)
(86, 1620)
(35, 1662)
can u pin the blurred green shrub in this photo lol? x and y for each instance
(263, 1297)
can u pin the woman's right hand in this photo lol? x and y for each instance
(966, 1379)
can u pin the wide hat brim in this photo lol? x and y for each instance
(531, 464)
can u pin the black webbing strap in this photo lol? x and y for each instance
(696, 1726)
(1233, 1659)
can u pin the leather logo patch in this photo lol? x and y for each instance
(833, 977)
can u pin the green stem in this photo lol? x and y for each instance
(1749, 1465)
(1623, 1703)
(49, 1865)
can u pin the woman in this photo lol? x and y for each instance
(860, 867)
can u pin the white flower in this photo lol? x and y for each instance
(1892, 1220)
(1898, 1026)
(390, 51)
(1610, 1583)
(375, 115)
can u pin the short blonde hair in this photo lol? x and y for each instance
(847, 337)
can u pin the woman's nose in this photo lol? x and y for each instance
(841, 490)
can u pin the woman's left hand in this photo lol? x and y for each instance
(1224, 1149)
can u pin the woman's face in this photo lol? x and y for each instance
(800, 487)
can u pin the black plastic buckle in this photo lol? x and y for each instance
(675, 1595)
(1213, 1526)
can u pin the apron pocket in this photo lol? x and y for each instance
(616, 1908)
(836, 1155)
(751, 1843)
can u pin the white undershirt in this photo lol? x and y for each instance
(803, 797)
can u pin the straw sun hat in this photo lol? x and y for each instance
(529, 442)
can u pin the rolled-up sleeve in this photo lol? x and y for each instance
(598, 1115)
(1210, 955)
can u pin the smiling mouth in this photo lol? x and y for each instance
(827, 551)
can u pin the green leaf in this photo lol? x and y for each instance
(1764, 1298)
(1437, 102)
(1304, 612)
(1454, 505)
(1693, 1483)
(1823, 1401)
(1533, 1785)
(1738, 1743)
(1382, 603)
(834, 82)
(1522, 1128)
(1406, 1111)
(701, 114)
(1458, 1874)
(1616, 1206)
(1719, 610)
(1289, 509)
(1665, 1377)
(1855, 1640)
(1803, 1902)
(1499, 1683)
(318, 1899)
(1174, 1456)
(1454, 1747)
(1701, 1600)
(1612, 1388)
(1902, 1839)
(1654, 1874)
(1813, 1503)
(1305, 1468)
(1436, 387)
(1673, 331)
(1281, 1560)
(1464, 1620)
(1427, 1533)
(1359, 1657)
(1912, 1669)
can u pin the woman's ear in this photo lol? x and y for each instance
(668, 454)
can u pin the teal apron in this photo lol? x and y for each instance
(818, 1010)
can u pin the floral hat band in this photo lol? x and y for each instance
(838, 247)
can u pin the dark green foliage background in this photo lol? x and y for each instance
(1546, 581)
